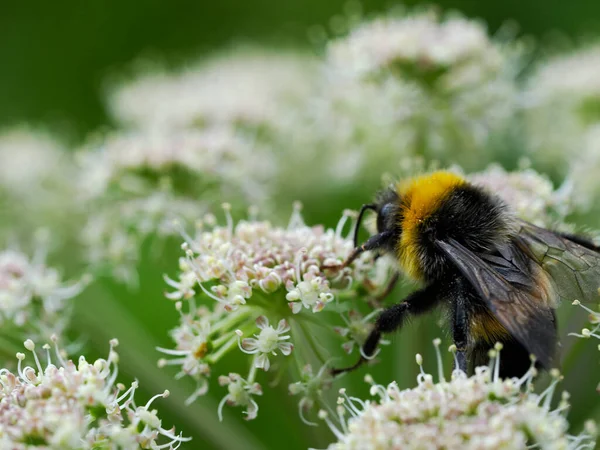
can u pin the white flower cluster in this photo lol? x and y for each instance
(137, 183)
(529, 193)
(445, 86)
(418, 45)
(76, 405)
(399, 87)
(263, 283)
(29, 161)
(245, 87)
(34, 301)
(478, 412)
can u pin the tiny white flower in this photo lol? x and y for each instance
(240, 392)
(267, 341)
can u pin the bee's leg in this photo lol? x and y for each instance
(373, 243)
(375, 302)
(460, 322)
(392, 319)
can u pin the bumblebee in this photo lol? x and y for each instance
(499, 277)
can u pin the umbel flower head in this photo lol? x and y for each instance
(433, 85)
(34, 301)
(398, 87)
(135, 184)
(478, 412)
(68, 405)
(259, 289)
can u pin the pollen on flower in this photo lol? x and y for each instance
(70, 406)
(34, 301)
(481, 411)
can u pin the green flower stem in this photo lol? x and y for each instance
(315, 347)
(216, 356)
(252, 372)
(232, 320)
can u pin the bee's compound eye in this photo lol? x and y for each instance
(383, 215)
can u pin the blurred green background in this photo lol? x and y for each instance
(56, 58)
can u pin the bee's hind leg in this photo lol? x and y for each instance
(460, 324)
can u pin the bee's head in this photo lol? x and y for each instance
(387, 208)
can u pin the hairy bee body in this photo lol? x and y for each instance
(499, 277)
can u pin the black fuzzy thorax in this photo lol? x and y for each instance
(469, 215)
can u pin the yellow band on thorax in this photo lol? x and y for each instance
(420, 197)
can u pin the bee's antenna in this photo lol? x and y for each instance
(361, 213)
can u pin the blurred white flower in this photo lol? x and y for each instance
(396, 88)
(35, 182)
(442, 84)
(529, 193)
(561, 102)
(139, 183)
(582, 177)
(67, 405)
(34, 301)
(481, 411)
(256, 274)
(30, 161)
(417, 45)
(243, 87)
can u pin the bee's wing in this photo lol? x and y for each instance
(574, 268)
(510, 291)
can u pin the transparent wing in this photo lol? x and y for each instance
(511, 291)
(574, 268)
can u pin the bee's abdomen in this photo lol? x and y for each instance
(486, 328)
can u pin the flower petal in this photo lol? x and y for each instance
(283, 326)
(262, 322)
(262, 362)
(286, 348)
(250, 344)
(296, 307)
